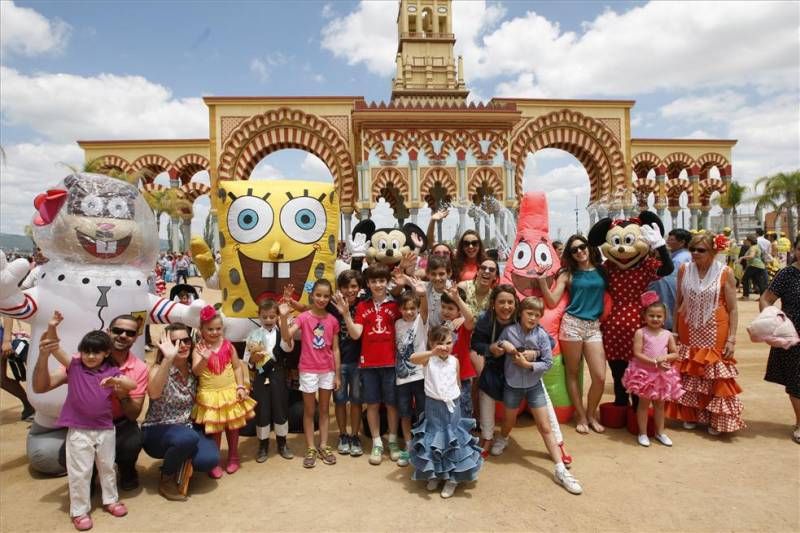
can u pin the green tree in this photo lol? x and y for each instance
(730, 200)
(780, 192)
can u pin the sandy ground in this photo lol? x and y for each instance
(750, 481)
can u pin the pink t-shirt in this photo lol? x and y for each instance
(136, 369)
(316, 336)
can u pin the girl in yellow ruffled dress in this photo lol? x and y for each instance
(222, 402)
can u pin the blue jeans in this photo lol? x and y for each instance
(350, 388)
(378, 385)
(177, 442)
(407, 391)
(513, 396)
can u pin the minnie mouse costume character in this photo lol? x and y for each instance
(626, 245)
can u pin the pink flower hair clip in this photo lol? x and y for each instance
(207, 313)
(649, 298)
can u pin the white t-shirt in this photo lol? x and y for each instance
(409, 337)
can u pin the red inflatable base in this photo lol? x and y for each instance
(633, 426)
(564, 414)
(614, 416)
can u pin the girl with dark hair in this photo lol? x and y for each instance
(584, 277)
(469, 255)
(501, 312)
(167, 429)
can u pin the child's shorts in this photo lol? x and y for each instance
(405, 393)
(378, 385)
(512, 396)
(311, 383)
(578, 329)
(350, 389)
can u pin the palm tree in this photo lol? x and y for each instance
(781, 192)
(730, 200)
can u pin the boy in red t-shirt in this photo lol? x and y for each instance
(456, 314)
(374, 325)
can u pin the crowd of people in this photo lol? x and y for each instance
(436, 341)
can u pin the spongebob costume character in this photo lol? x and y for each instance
(272, 233)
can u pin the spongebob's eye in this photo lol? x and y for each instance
(249, 219)
(630, 239)
(118, 208)
(522, 255)
(303, 219)
(92, 205)
(543, 256)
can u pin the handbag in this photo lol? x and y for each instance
(773, 327)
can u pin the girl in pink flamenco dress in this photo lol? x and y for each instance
(650, 374)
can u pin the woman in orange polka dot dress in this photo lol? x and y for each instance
(626, 244)
(706, 324)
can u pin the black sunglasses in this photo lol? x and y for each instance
(184, 340)
(697, 250)
(122, 331)
(471, 244)
(579, 248)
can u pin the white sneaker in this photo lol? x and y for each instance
(566, 480)
(449, 488)
(713, 432)
(433, 484)
(499, 445)
(689, 425)
(663, 439)
(643, 441)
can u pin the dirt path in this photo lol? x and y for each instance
(750, 481)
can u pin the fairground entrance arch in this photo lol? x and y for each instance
(428, 147)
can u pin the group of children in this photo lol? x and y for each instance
(395, 340)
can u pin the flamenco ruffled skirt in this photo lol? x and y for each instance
(218, 409)
(651, 382)
(711, 395)
(442, 446)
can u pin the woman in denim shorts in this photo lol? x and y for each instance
(583, 276)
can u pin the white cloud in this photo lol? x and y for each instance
(26, 32)
(698, 134)
(265, 171)
(366, 36)
(66, 107)
(263, 68)
(327, 11)
(314, 169)
(27, 170)
(714, 107)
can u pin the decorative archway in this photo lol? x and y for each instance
(154, 163)
(115, 162)
(283, 128)
(643, 162)
(590, 141)
(709, 160)
(484, 182)
(438, 184)
(188, 165)
(390, 178)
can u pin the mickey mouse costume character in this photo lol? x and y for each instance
(387, 246)
(626, 245)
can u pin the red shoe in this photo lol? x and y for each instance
(216, 472)
(485, 454)
(233, 465)
(116, 509)
(82, 523)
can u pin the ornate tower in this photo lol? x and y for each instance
(426, 66)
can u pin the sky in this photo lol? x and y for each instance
(127, 70)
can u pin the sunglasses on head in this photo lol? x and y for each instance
(122, 331)
(489, 269)
(471, 244)
(579, 248)
(697, 250)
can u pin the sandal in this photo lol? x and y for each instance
(596, 426)
(327, 455)
(116, 509)
(310, 459)
(82, 523)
